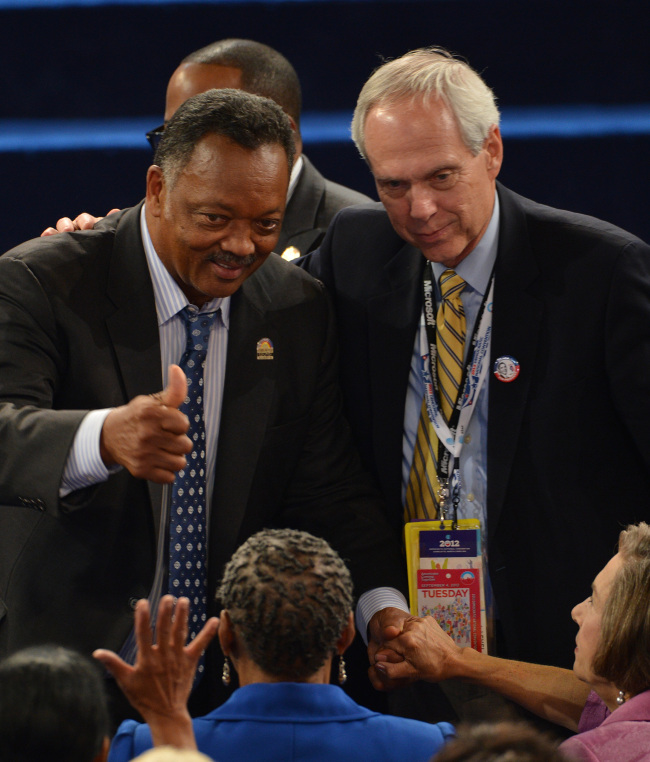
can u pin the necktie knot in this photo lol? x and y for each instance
(451, 284)
(197, 325)
(197, 333)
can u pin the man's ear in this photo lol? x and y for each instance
(156, 188)
(493, 145)
(347, 636)
(297, 137)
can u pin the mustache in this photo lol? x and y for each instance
(228, 258)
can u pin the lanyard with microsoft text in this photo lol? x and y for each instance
(451, 435)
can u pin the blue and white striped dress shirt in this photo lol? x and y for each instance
(84, 465)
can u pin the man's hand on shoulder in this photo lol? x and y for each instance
(148, 436)
(83, 221)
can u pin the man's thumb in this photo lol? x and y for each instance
(176, 389)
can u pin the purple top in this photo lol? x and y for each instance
(594, 713)
(622, 736)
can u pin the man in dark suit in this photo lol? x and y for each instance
(93, 454)
(257, 68)
(556, 456)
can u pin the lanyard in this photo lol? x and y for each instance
(451, 435)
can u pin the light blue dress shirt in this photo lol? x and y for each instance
(475, 270)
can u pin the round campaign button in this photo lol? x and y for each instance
(506, 368)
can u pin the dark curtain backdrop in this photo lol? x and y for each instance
(114, 61)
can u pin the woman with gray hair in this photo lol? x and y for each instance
(287, 600)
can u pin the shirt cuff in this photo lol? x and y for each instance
(84, 466)
(375, 600)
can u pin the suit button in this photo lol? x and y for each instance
(470, 497)
(133, 602)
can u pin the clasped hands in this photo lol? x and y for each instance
(403, 649)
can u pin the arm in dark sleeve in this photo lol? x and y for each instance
(34, 438)
(330, 495)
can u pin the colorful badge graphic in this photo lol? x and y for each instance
(506, 368)
(265, 349)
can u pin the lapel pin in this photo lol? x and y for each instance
(506, 368)
(291, 252)
(265, 349)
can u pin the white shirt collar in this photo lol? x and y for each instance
(295, 174)
(477, 266)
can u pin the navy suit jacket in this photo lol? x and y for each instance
(568, 440)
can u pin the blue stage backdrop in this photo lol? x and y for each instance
(83, 81)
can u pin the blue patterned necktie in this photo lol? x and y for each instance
(188, 514)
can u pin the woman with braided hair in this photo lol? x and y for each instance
(287, 599)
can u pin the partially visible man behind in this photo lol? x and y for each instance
(52, 707)
(112, 489)
(552, 456)
(312, 200)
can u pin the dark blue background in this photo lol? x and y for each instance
(114, 61)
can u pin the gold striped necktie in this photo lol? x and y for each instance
(422, 490)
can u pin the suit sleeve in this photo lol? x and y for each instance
(330, 495)
(34, 438)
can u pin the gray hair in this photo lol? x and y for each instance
(249, 120)
(289, 596)
(431, 73)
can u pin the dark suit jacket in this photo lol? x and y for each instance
(568, 441)
(312, 206)
(78, 331)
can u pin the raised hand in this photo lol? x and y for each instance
(158, 685)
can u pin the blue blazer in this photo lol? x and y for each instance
(265, 722)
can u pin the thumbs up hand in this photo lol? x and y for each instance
(148, 436)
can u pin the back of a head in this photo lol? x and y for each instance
(430, 73)
(499, 742)
(289, 596)
(52, 707)
(264, 71)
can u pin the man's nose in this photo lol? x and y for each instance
(238, 239)
(424, 203)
